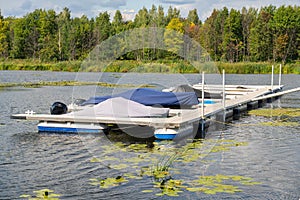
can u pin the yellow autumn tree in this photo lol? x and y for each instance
(173, 36)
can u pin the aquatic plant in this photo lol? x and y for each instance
(279, 123)
(158, 164)
(277, 112)
(169, 187)
(283, 116)
(216, 184)
(42, 194)
(108, 182)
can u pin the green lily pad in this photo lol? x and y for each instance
(42, 194)
(108, 182)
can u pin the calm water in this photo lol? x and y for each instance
(30, 161)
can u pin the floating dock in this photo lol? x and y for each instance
(237, 99)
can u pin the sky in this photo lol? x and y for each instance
(129, 8)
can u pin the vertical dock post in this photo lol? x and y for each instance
(224, 97)
(272, 78)
(202, 95)
(280, 74)
(202, 99)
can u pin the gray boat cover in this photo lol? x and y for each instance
(121, 107)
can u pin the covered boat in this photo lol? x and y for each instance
(115, 108)
(198, 93)
(150, 97)
(120, 107)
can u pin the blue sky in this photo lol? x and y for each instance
(129, 8)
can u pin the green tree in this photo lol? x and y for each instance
(212, 33)
(3, 37)
(193, 17)
(142, 18)
(172, 13)
(64, 27)
(31, 34)
(81, 37)
(232, 37)
(118, 23)
(161, 21)
(248, 17)
(103, 27)
(261, 36)
(47, 28)
(286, 26)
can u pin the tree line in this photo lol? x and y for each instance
(250, 34)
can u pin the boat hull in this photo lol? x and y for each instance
(171, 133)
(56, 127)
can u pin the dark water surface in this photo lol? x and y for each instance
(30, 161)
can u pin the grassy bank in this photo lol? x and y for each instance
(158, 66)
(69, 83)
(19, 64)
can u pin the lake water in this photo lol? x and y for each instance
(246, 160)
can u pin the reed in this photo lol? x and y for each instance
(156, 66)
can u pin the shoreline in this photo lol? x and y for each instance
(157, 66)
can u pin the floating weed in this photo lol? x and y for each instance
(224, 145)
(216, 184)
(95, 160)
(240, 178)
(145, 170)
(132, 176)
(196, 189)
(42, 194)
(219, 149)
(279, 123)
(136, 160)
(138, 147)
(250, 183)
(170, 187)
(277, 112)
(160, 174)
(189, 156)
(147, 191)
(119, 166)
(108, 182)
(157, 163)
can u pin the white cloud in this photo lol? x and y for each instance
(92, 8)
(128, 14)
(177, 2)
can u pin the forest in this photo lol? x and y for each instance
(268, 34)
